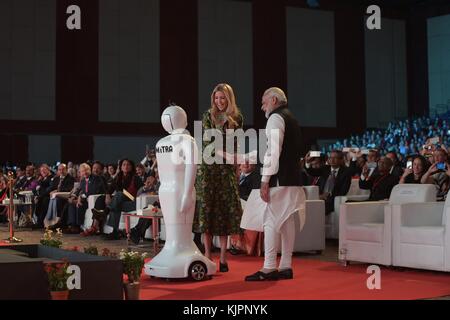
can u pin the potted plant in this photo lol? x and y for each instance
(50, 240)
(57, 279)
(133, 262)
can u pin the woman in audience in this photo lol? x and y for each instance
(414, 173)
(125, 187)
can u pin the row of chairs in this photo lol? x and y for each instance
(409, 230)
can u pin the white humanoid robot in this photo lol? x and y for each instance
(176, 154)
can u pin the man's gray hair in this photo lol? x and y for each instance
(278, 93)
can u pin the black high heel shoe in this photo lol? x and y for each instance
(223, 267)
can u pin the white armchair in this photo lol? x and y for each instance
(88, 216)
(312, 236)
(365, 229)
(332, 220)
(421, 235)
(311, 192)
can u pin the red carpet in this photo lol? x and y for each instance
(313, 279)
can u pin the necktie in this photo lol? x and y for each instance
(87, 184)
(241, 179)
(61, 179)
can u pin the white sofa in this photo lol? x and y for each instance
(365, 231)
(332, 220)
(421, 235)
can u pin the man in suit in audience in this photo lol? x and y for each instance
(396, 169)
(249, 179)
(335, 179)
(316, 163)
(62, 182)
(381, 182)
(89, 185)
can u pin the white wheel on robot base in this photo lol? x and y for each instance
(197, 271)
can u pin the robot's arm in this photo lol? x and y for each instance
(189, 149)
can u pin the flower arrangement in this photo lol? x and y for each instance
(50, 240)
(91, 250)
(133, 262)
(57, 275)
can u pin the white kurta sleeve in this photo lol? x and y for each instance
(275, 135)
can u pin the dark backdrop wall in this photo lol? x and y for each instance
(98, 92)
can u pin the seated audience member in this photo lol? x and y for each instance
(316, 163)
(29, 184)
(63, 182)
(89, 185)
(150, 188)
(71, 201)
(140, 172)
(396, 169)
(98, 216)
(21, 179)
(111, 174)
(380, 183)
(414, 173)
(3, 195)
(357, 162)
(437, 174)
(249, 179)
(42, 195)
(304, 178)
(127, 181)
(335, 177)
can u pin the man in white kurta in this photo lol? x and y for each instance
(281, 192)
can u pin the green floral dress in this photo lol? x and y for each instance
(218, 208)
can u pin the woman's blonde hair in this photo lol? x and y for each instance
(232, 110)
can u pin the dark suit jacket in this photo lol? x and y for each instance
(44, 190)
(397, 171)
(66, 185)
(380, 186)
(250, 182)
(342, 183)
(96, 185)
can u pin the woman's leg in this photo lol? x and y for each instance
(223, 249)
(207, 239)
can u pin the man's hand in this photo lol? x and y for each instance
(365, 171)
(265, 192)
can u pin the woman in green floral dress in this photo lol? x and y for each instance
(218, 208)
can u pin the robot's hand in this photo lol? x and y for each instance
(186, 203)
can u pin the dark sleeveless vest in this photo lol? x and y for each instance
(289, 169)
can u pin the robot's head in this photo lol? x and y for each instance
(173, 117)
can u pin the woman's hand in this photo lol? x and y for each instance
(432, 168)
(407, 172)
